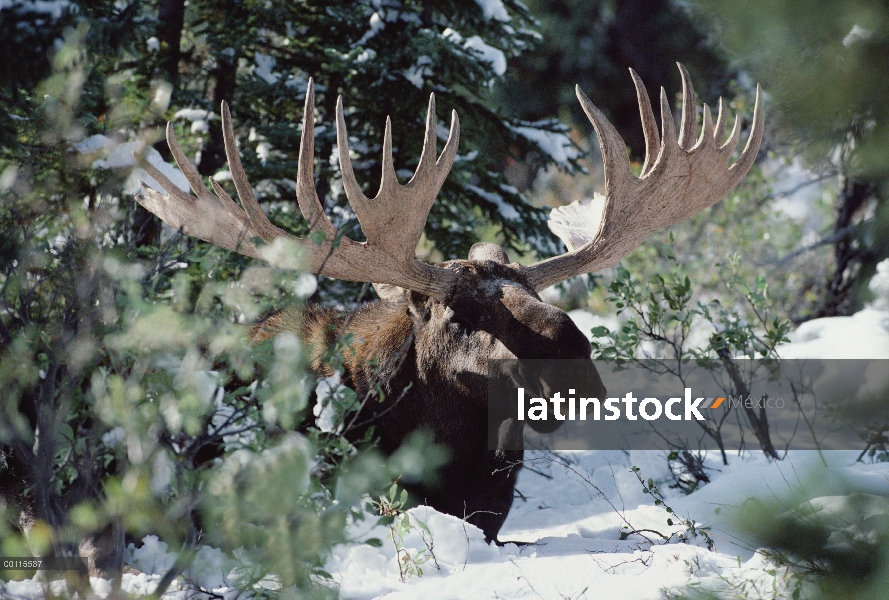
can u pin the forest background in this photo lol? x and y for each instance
(109, 324)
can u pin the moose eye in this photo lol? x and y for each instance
(461, 324)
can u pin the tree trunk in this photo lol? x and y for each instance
(848, 252)
(171, 20)
(759, 422)
(213, 154)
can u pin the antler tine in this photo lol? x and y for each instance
(449, 152)
(683, 178)
(393, 225)
(706, 137)
(649, 126)
(395, 217)
(191, 175)
(719, 134)
(442, 165)
(430, 140)
(669, 141)
(388, 179)
(223, 195)
(350, 185)
(689, 111)
(178, 196)
(200, 217)
(745, 161)
(260, 222)
(729, 146)
(306, 194)
(614, 150)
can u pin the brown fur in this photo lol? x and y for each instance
(430, 361)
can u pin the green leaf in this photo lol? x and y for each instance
(374, 542)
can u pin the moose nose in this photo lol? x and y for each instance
(570, 341)
(556, 334)
(550, 333)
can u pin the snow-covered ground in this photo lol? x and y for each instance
(572, 513)
(576, 506)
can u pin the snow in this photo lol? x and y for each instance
(577, 504)
(325, 404)
(856, 34)
(802, 195)
(879, 286)
(264, 69)
(491, 55)
(862, 335)
(94, 143)
(54, 8)
(120, 156)
(494, 9)
(418, 71)
(573, 509)
(586, 320)
(305, 285)
(191, 114)
(506, 211)
(575, 514)
(553, 143)
(263, 150)
(114, 437)
(830, 337)
(366, 55)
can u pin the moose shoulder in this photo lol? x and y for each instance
(427, 344)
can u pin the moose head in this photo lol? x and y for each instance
(437, 326)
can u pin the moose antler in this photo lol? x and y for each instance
(679, 178)
(392, 221)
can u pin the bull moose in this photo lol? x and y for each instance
(427, 342)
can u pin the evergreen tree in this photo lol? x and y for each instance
(124, 370)
(824, 63)
(593, 44)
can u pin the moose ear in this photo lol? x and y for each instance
(390, 293)
(485, 251)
